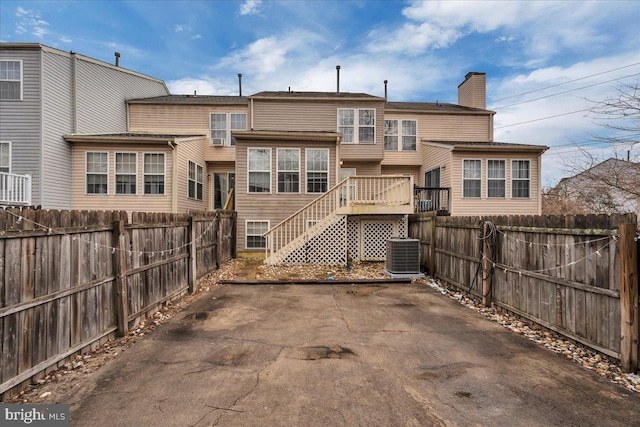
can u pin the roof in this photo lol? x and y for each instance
(315, 95)
(192, 99)
(289, 135)
(480, 145)
(138, 138)
(39, 46)
(606, 167)
(433, 107)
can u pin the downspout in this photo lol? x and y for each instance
(338, 161)
(251, 113)
(174, 178)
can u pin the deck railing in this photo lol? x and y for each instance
(352, 191)
(435, 199)
(15, 189)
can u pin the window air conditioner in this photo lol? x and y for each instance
(218, 141)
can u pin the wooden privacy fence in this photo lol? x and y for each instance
(69, 280)
(576, 275)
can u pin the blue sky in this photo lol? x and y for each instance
(424, 49)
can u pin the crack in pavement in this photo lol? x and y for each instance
(335, 301)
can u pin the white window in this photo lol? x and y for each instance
(317, 170)
(5, 156)
(259, 170)
(472, 178)
(126, 173)
(154, 173)
(222, 124)
(195, 184)
(10, 80)
(520, 178)
(357, 125)
(496, 178)
(253, 234)
(288, 163)
(400, 130)
(97, 176)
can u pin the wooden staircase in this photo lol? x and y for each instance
(317, 233)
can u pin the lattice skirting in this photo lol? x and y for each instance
(368, 235)
(327, 247)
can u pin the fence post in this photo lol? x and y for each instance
(191, 244)
(432, 247)
(628, 297)
(120, 273)
(487, 262)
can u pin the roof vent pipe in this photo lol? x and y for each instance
(385, 90)
(240, 83)
(117, 59)
(338, 75)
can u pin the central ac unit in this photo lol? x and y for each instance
(403, 256)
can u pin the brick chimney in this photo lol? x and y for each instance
(472, 92)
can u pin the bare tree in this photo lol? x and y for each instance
(600, 185)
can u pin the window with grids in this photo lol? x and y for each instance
(154, 173)
(97, 172)
(259, 170)
(317, 170)
(10, 80)
(126, 173)
(358, 126)
(222, 124)
(195, 181)
(496, 178)
(520, 178)
(391, 135)
(253, 234)
(288, 170)
(472, 178)
(5, 156)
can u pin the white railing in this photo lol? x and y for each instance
(352, 192)
(15, 189)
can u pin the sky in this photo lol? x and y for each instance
(547, 62)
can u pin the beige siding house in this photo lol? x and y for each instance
(313, 176)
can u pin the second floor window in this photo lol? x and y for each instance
(496, 178)
(154, 173)
(11, 80)
(358, 126)
(222, 125)
(195, 181)
(396, 131)
(472, 178)
(126, 173)
(259, 170)
(97, 172)
(317, 170)
(288, 170)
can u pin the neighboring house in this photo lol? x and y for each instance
(612, 186)
(46, 93)
(275, 153)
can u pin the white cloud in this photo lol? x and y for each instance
(178, 28)
(65, 39)
(30, 20)
(202, 86)
(250, 7)
(196, 37)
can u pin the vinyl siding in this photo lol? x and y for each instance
(58, 121)
(20, 121)
(398, 158)
(364, 168)
(274, 207)
(110, 88)
(139, 202)
(319, 116)
(454, 127)
(191, 151)
(432, 158)
(177, 119)
(494, 206)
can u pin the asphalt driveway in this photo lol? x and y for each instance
(367, 355)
